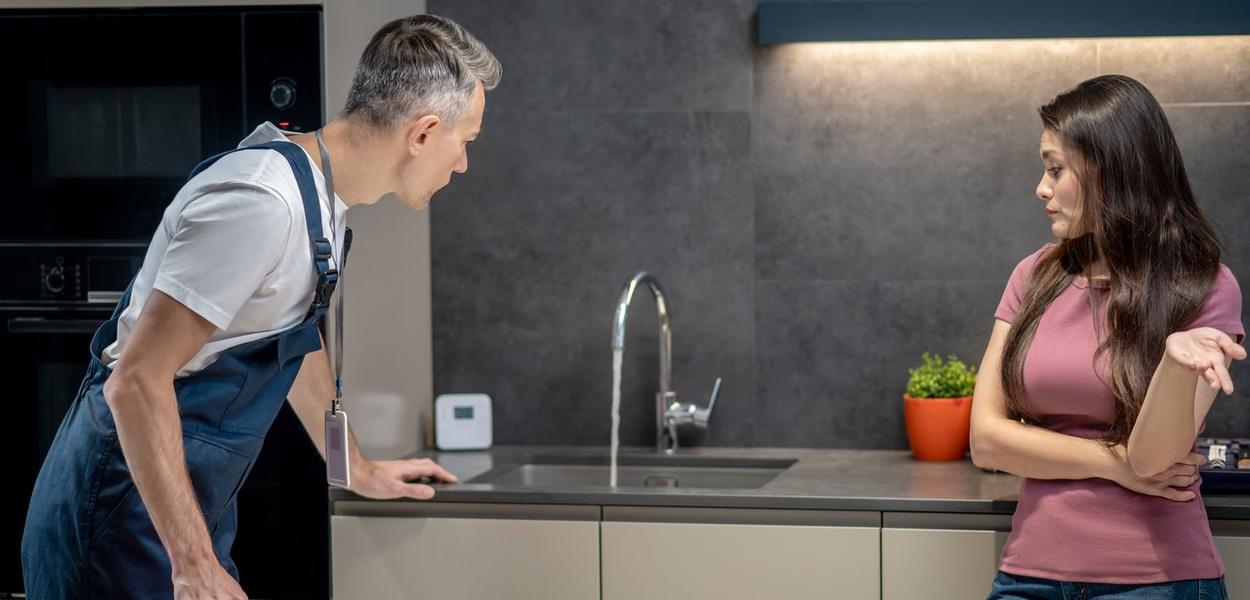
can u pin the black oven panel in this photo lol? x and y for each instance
(68, 275)
(109, 110)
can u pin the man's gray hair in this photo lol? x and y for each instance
(421, 64)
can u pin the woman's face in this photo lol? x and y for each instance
(1059, 190)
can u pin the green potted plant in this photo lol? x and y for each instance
(937, 408)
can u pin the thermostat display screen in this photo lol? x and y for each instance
(464, 412)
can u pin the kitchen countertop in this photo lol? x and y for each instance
(821, 479)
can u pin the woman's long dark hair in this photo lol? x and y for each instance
(1139, 214)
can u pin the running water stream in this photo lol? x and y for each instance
(617, 355)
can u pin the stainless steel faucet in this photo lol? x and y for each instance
(669, 413)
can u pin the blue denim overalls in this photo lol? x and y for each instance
(88, 534)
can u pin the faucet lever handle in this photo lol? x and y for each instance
(702, 415)
(711, 404)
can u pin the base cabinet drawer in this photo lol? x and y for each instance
(381, 558)
(697, 561)
(938, 564)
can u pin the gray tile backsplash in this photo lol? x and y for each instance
(532, 250)
(833, 355)
(641, 55)
(819, 215)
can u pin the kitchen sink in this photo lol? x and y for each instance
(637, 471)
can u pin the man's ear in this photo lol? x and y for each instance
(419, 132)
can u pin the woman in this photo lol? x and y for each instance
(1109, 348)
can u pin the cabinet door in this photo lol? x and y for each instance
(720, 561)
(467, 559)
(1236, 554)
(925, 561)
(1232, 538)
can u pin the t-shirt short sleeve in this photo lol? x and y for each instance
(1017, 284)
(226, 241)
(1222, 308)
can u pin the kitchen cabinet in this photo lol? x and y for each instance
(465, 551)
(939, 556)
(1232, 538)
(955, 556)
(700, 553)
(472, 550)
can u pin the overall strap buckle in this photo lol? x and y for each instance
(326, 282)
(327, 278)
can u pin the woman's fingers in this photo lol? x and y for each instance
(1177, 495)
(1182, 481)
(1229, 347)
(1212, 378)
(1194, 458)
(1225, 380)
(1178, 470)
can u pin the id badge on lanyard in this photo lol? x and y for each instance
(337, 471)
(338, 464)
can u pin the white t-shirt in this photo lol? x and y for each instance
(233, 247)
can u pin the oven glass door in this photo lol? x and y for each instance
(45, 356)
(107, 115)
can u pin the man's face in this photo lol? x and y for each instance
(443, 151)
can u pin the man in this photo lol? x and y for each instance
(136, 496)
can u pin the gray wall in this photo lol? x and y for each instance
(820, 215)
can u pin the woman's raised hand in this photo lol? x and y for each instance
(1203, 350)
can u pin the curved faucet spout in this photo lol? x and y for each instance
(666, 329)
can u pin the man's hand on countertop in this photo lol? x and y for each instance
(386, 479)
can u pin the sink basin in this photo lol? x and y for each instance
(637, 471)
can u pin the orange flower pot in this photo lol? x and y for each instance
(937, 428)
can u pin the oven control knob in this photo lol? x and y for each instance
(282, 94)
(54, 281)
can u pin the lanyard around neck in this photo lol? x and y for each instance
(336, 350)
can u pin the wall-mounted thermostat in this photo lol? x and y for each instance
(462, 421)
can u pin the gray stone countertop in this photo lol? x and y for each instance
(821, 479)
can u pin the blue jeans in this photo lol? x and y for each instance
(1017, 587)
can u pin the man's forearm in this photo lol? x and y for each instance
(149, 430)
(311, 395)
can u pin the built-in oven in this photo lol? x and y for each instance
(106, 111)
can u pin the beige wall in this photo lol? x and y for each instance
(388, 369)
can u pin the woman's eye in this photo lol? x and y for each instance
(1054, 171)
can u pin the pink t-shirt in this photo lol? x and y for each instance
(1093, 530)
